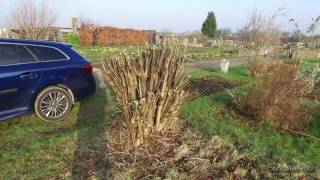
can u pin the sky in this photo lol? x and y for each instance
(174, 15)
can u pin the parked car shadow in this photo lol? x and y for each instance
(90, 158)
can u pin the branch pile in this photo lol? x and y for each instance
(150, 89)
(180, 155)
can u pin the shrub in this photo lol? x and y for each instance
(276, 97)
(150, 89)
(73, 38)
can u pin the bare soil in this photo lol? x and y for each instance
(209, 85)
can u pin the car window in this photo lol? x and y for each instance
(46, 53)
(24, 55)
(8, 54)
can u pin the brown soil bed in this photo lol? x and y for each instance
(209, 85)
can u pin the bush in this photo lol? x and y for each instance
(150, 89)
(275, 98)
(73, 38)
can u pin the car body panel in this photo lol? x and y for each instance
(21, 83)
(17, 85)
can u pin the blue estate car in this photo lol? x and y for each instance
(43, 77)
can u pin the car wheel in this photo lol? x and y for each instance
(53, 103)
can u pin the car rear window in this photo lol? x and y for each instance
(8, 54)
(47, 53)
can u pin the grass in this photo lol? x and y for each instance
(73, 147)
(310, 63)
(33, 149)
(210, 116)
(240, 73)
(95, 53)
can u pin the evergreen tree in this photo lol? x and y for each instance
(209, 27)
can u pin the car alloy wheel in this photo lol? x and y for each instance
(53, 103)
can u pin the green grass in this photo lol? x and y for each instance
(210, 116)
(96, 53)
(240, 73)
(33, 149)
(307, 62)
(310, 63)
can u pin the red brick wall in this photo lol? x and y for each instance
(86, 36)
(114, 36)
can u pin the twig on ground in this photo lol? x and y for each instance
(303, 134)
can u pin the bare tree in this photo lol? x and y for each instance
(242, 34)
(31, 20)
(285, 37)
(297, 34)
(309, 35)
(225, 33)
(263, 36)
(313, 27)
(85, 20)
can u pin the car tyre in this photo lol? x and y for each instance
(53, 103)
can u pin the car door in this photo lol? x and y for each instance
(18, 79)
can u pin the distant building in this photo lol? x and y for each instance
(301, 45)
(51, 33)
(60, 33)
(185, 39)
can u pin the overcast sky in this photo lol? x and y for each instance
(173, 15)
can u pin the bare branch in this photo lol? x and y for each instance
(31, 20)
(263, 34)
